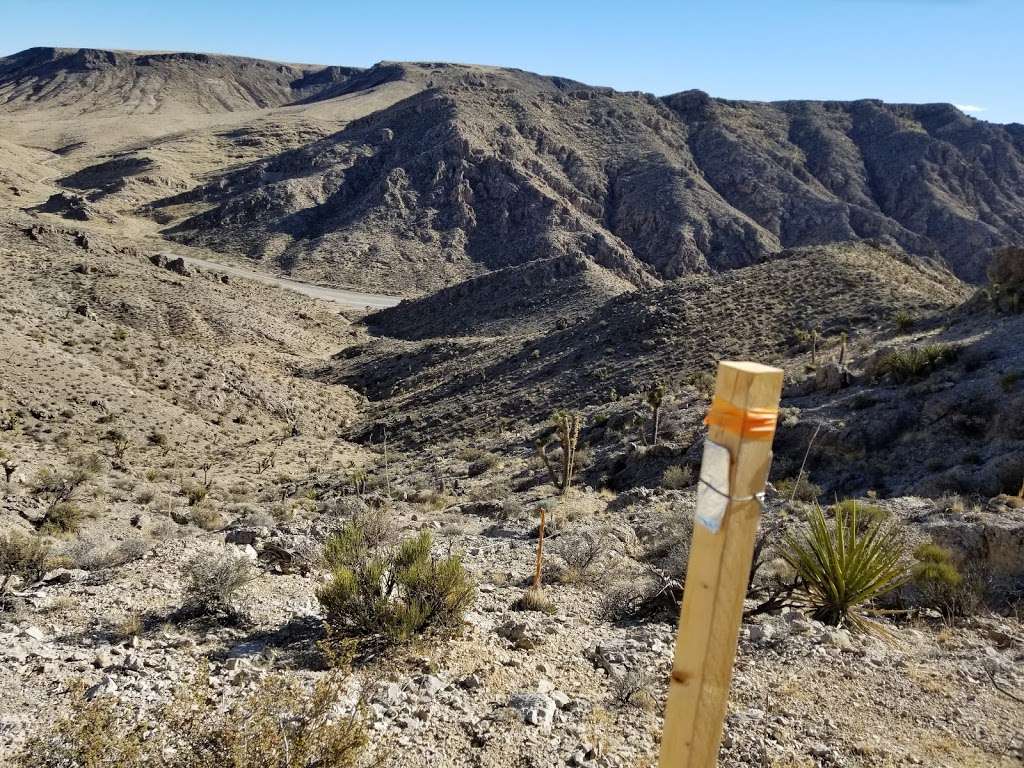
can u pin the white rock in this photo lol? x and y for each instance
(535, 708)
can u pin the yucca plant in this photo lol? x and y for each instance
(842, 565)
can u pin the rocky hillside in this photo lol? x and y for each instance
(442, 385)
(488, 168)
(130, 82)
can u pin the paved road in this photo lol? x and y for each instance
(339, 295)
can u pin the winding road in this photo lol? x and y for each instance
(352, 299)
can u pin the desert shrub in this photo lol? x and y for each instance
(580, 552)
(94, 556)
(212, 582)
(842, 566)
(903, 365)
(671, 548)
(194, 492)
(280, 724)
(485, 462)
(207, 518)
(145, 495)
(381, 594)
(633, 688)
(63, 518)
(654, 596)
(63, 485)
(677, 477)
(1006, 279)
(23, 556)
(940, 585)
(1009, 380)
(798, 488)
(471, 453)
(866, 513)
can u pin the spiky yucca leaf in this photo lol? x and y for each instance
(843, 566)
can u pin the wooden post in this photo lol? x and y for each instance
(742, 420)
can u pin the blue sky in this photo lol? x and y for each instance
(968, 52)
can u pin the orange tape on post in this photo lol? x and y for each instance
(754, 423)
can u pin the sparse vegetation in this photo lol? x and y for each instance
(385, 595)
(843, 566)
(280, 724)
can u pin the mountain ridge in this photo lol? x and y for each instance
(472, 169)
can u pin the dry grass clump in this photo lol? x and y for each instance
(535, 599)
(384, 595)
(278, 725)
(677, 477)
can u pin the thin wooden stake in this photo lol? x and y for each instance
(717, 574)
(540, 551)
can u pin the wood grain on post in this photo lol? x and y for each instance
(718, 571)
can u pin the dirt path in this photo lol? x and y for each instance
(337, 295)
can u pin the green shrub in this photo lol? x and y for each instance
(23, 556)
(1009, 380)
(677, 477)
(798, 489)
(842, 566)
(903, 365)
(938, 580)
(903, 321)
(280, 724)
(63, 518)
(866, 513)
(382, 594)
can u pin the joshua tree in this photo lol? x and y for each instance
(8, 465)
(567, 431)
(655, 395)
